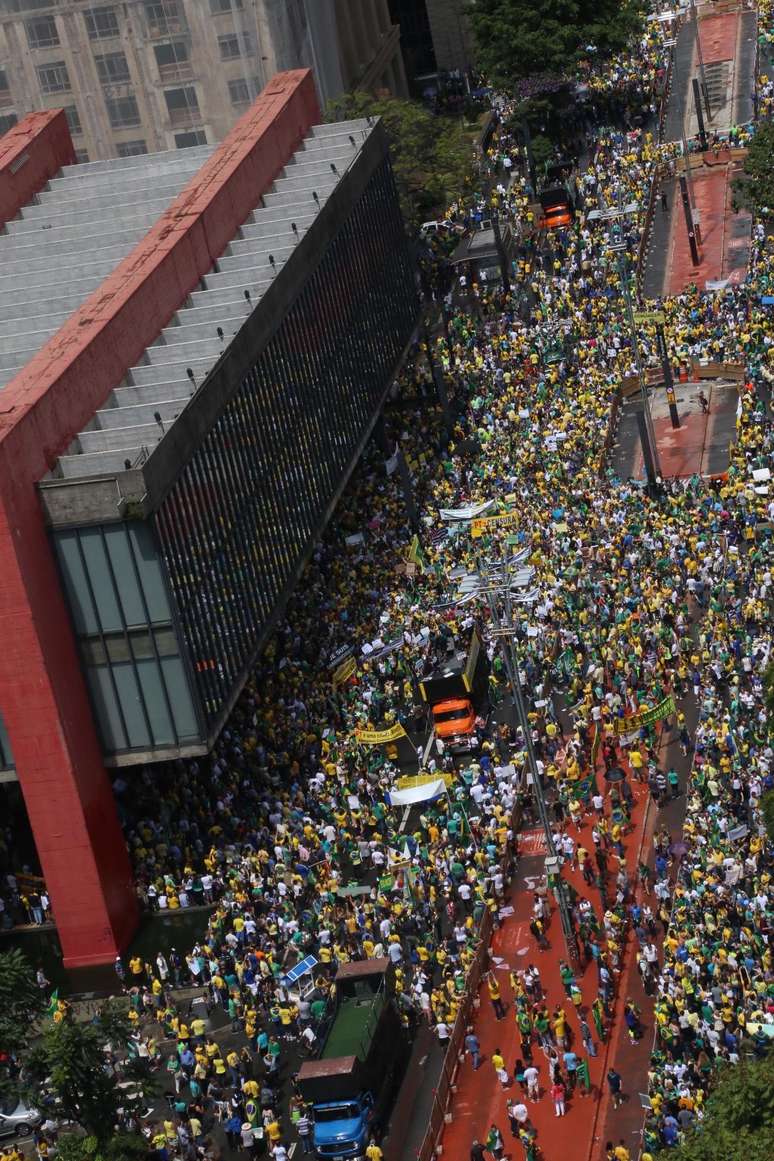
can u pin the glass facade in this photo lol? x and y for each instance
(128, 640)
(254, 496)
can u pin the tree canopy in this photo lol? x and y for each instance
(70, 1060)
(739, 1121)
(431, 155)
(22, 1003)
(755, 190)
(520, 39)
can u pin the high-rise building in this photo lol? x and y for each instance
(141, 76)
(194, 349)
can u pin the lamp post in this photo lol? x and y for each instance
(502, 582)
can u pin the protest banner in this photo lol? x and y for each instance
(380, 737)
(646, 717)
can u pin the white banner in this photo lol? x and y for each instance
(465, 513)
(414, 794)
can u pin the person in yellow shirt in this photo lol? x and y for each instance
(373, 1152)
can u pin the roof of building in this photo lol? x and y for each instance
(72, 236)
(146, 402)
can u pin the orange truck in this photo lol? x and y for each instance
(557, 208)
(456, 692)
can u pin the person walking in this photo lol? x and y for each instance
(473, 1048)
(615, 1086)
(518, 1116)
(498, 1063)
(304, 1130)
(494, 1142)
(532, 1077)
(494, 995)
(558, 1093)
(477, 1152)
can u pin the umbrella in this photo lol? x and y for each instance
(615, 774)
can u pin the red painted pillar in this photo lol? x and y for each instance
(48, 716)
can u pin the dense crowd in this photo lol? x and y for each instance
(638, 596)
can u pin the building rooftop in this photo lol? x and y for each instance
(99, 217)
(74, 233)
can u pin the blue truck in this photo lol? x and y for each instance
(352, 1084)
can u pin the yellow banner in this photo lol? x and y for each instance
(343, 672)
(506, 520)
(409, 781)
(380, 737)
(646, 718)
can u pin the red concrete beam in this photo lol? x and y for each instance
(30, 154)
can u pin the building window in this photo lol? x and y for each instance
(5, 93)
(81, 156)
(183, 105)
(131, 148)
(122, 112)
(7, 122)
(163, 17)
(128, 641)
(239, 92)
(101, 23)
(173, 61)
(73, 120)
(41, 32)
(232, 46)
(187, 140)
(219, 7)
(112, 68)
(54, 77)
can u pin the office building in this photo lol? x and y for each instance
(141, 76)
(194, 348)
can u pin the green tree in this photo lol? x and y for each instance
(432, 157)
(520, 39)
(122, 1147)
(70, 1060)
(22, 1003)
(754, 190)
(739, 1119)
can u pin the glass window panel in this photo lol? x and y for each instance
(103, 699)
(156, 703)
(132, 706)
(180, 698)
(75, 582)
(126, 580)
(150, 569)
(102, 586)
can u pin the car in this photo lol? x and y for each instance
(17, 1119)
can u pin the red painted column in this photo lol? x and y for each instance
(47, 713)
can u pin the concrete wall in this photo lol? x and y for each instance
(30, 154)
(43, 699)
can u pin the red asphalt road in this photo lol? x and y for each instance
(479, 1100)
